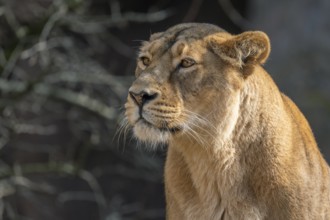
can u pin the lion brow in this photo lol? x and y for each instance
(173, 40)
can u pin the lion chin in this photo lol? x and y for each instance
(150, 134)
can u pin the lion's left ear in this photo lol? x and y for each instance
(244, 50)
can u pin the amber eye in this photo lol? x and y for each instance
(185, 63)
(146, 61)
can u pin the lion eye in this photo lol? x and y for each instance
(185, 63)
(146, 61)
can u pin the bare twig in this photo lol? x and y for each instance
(3, 59)
(78, 196)
(10, 64)
(43, 46)
(53, 19)
(193, 11)
(2, 11)
(117, 84)
(35, 168)
(115, 10)
(6, 188)
(120, 46)
(11, 211)
(94, 25)
(2, 208)
(33, 129)
(121, 170)
(97, 190)
(13, 23)
(234, 15)
(4, 138)
(69, 96)
(12, 86)
(149, 17)
(78, 99)
(62, 10)
(37, 187)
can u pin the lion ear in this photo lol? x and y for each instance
(244, 50)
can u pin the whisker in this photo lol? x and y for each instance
(192, 133)
(118, 132)
(199, 117)
(126, 130)
(122, 132)
(195, 135)
(196, 121)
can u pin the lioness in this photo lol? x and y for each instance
(238, 147)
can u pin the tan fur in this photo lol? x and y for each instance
(238, 148)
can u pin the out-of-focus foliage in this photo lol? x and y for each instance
(61, 97)
(65, 66)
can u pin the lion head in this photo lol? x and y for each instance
(189, 79)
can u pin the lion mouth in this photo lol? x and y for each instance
(164, 128)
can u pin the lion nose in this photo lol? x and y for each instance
(143, 97)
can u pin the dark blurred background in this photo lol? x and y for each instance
(65, 66)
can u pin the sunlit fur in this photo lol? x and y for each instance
(237, 147)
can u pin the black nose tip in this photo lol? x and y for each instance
(143, 97)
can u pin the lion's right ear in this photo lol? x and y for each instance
(244, 50)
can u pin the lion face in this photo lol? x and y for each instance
(185, 77)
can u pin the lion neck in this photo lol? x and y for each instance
(214, 162)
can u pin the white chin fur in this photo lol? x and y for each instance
(149, 134)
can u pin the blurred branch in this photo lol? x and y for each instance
(19, 30)
(11, 211)
(128, 173)
(119, 210)
(43, 46)
(118, 17)
(34, 129)
(78, 196)
(10, 64)
(54, 80)
(93, 25)
(149, 17)
(115, 9)
(12, 177)
(25, 182)
(12, 86)
(78, 99)
(2, 12)
(6, 188)
(53, 19)
(34, 168)
(66, 95)
(117, 84)
(5, 136)
(234, 15)
(120, 47)
(2, 208)
(3, 59)
(97, 190)
(193, 11)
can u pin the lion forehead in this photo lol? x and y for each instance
(162, 52)
(181, 34)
